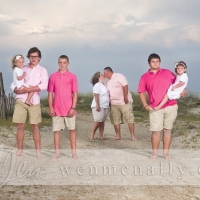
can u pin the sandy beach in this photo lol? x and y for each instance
(123, 153)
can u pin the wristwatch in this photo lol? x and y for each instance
(73, 108)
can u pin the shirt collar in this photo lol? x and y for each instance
(159, 70)
(31, 67)
(67, 72)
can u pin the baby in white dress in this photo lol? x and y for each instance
(19, 75)
(177, 88)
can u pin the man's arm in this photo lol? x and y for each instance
(74, 102)
(144, 101)
(125, 90)
(27, 90)
(50, 101)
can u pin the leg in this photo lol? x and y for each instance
(56, 144)
(73, 142)
(131, 129)
(28, 100)
(95, 127)
(117, 131)
(155, 141)
(170, 116)
(20, 139)
(165, 99)
(36, 137)
(101, 129)
(167, 137)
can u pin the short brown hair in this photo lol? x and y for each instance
(95, 78)
(34, 50)
(64, 57)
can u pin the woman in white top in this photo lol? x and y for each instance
(100, 104)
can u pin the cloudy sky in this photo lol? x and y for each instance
(100, 33)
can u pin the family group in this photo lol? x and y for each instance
(162, 86)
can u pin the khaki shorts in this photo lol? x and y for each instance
(163, 118)
(120, 114)
(21, 110)
(60, 122)
(101, 115)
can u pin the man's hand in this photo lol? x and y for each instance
(98, 108)
(71, 113)
(148, 108)
(126, 100)
(21, 90)
(51, 111)
(183, 94)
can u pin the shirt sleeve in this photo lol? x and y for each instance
(75, 84)
(184, 78)
(173, 77)
(96, 89)
(141, 86)
(122, 79)
(18, 72)
(43, 80)
(50, 87)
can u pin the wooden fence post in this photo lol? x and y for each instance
(3, 107)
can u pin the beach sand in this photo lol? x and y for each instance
(101, 190)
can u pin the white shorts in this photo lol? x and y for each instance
(101, 115)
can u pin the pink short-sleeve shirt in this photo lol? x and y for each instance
(115, 86)
(63, 85)
(156, 85)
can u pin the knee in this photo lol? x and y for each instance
(35, 127)
(156, 133)
(20, 126)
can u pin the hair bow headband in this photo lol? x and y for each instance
(17, 57)
(179, 63)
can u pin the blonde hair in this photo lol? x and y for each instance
(14, 59)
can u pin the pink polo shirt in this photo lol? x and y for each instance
(156, 85)
(115, 86)
(63, 85)
(36, 76)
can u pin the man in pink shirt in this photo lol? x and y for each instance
(62, 98)
(156, 83)
(37, 78)
(121, 110)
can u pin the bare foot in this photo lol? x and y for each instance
(92, 137)
(153, 157)
(28, 103)
(117, 138)
(167, 157)
(101, 138)
(74, 155)
(134, 139)
(18, 153)
(39, 155)
(56, 155)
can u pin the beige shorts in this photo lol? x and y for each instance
(60, 122)
(21, 110)
(120, 114)
(163, 118)
(101, 115)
